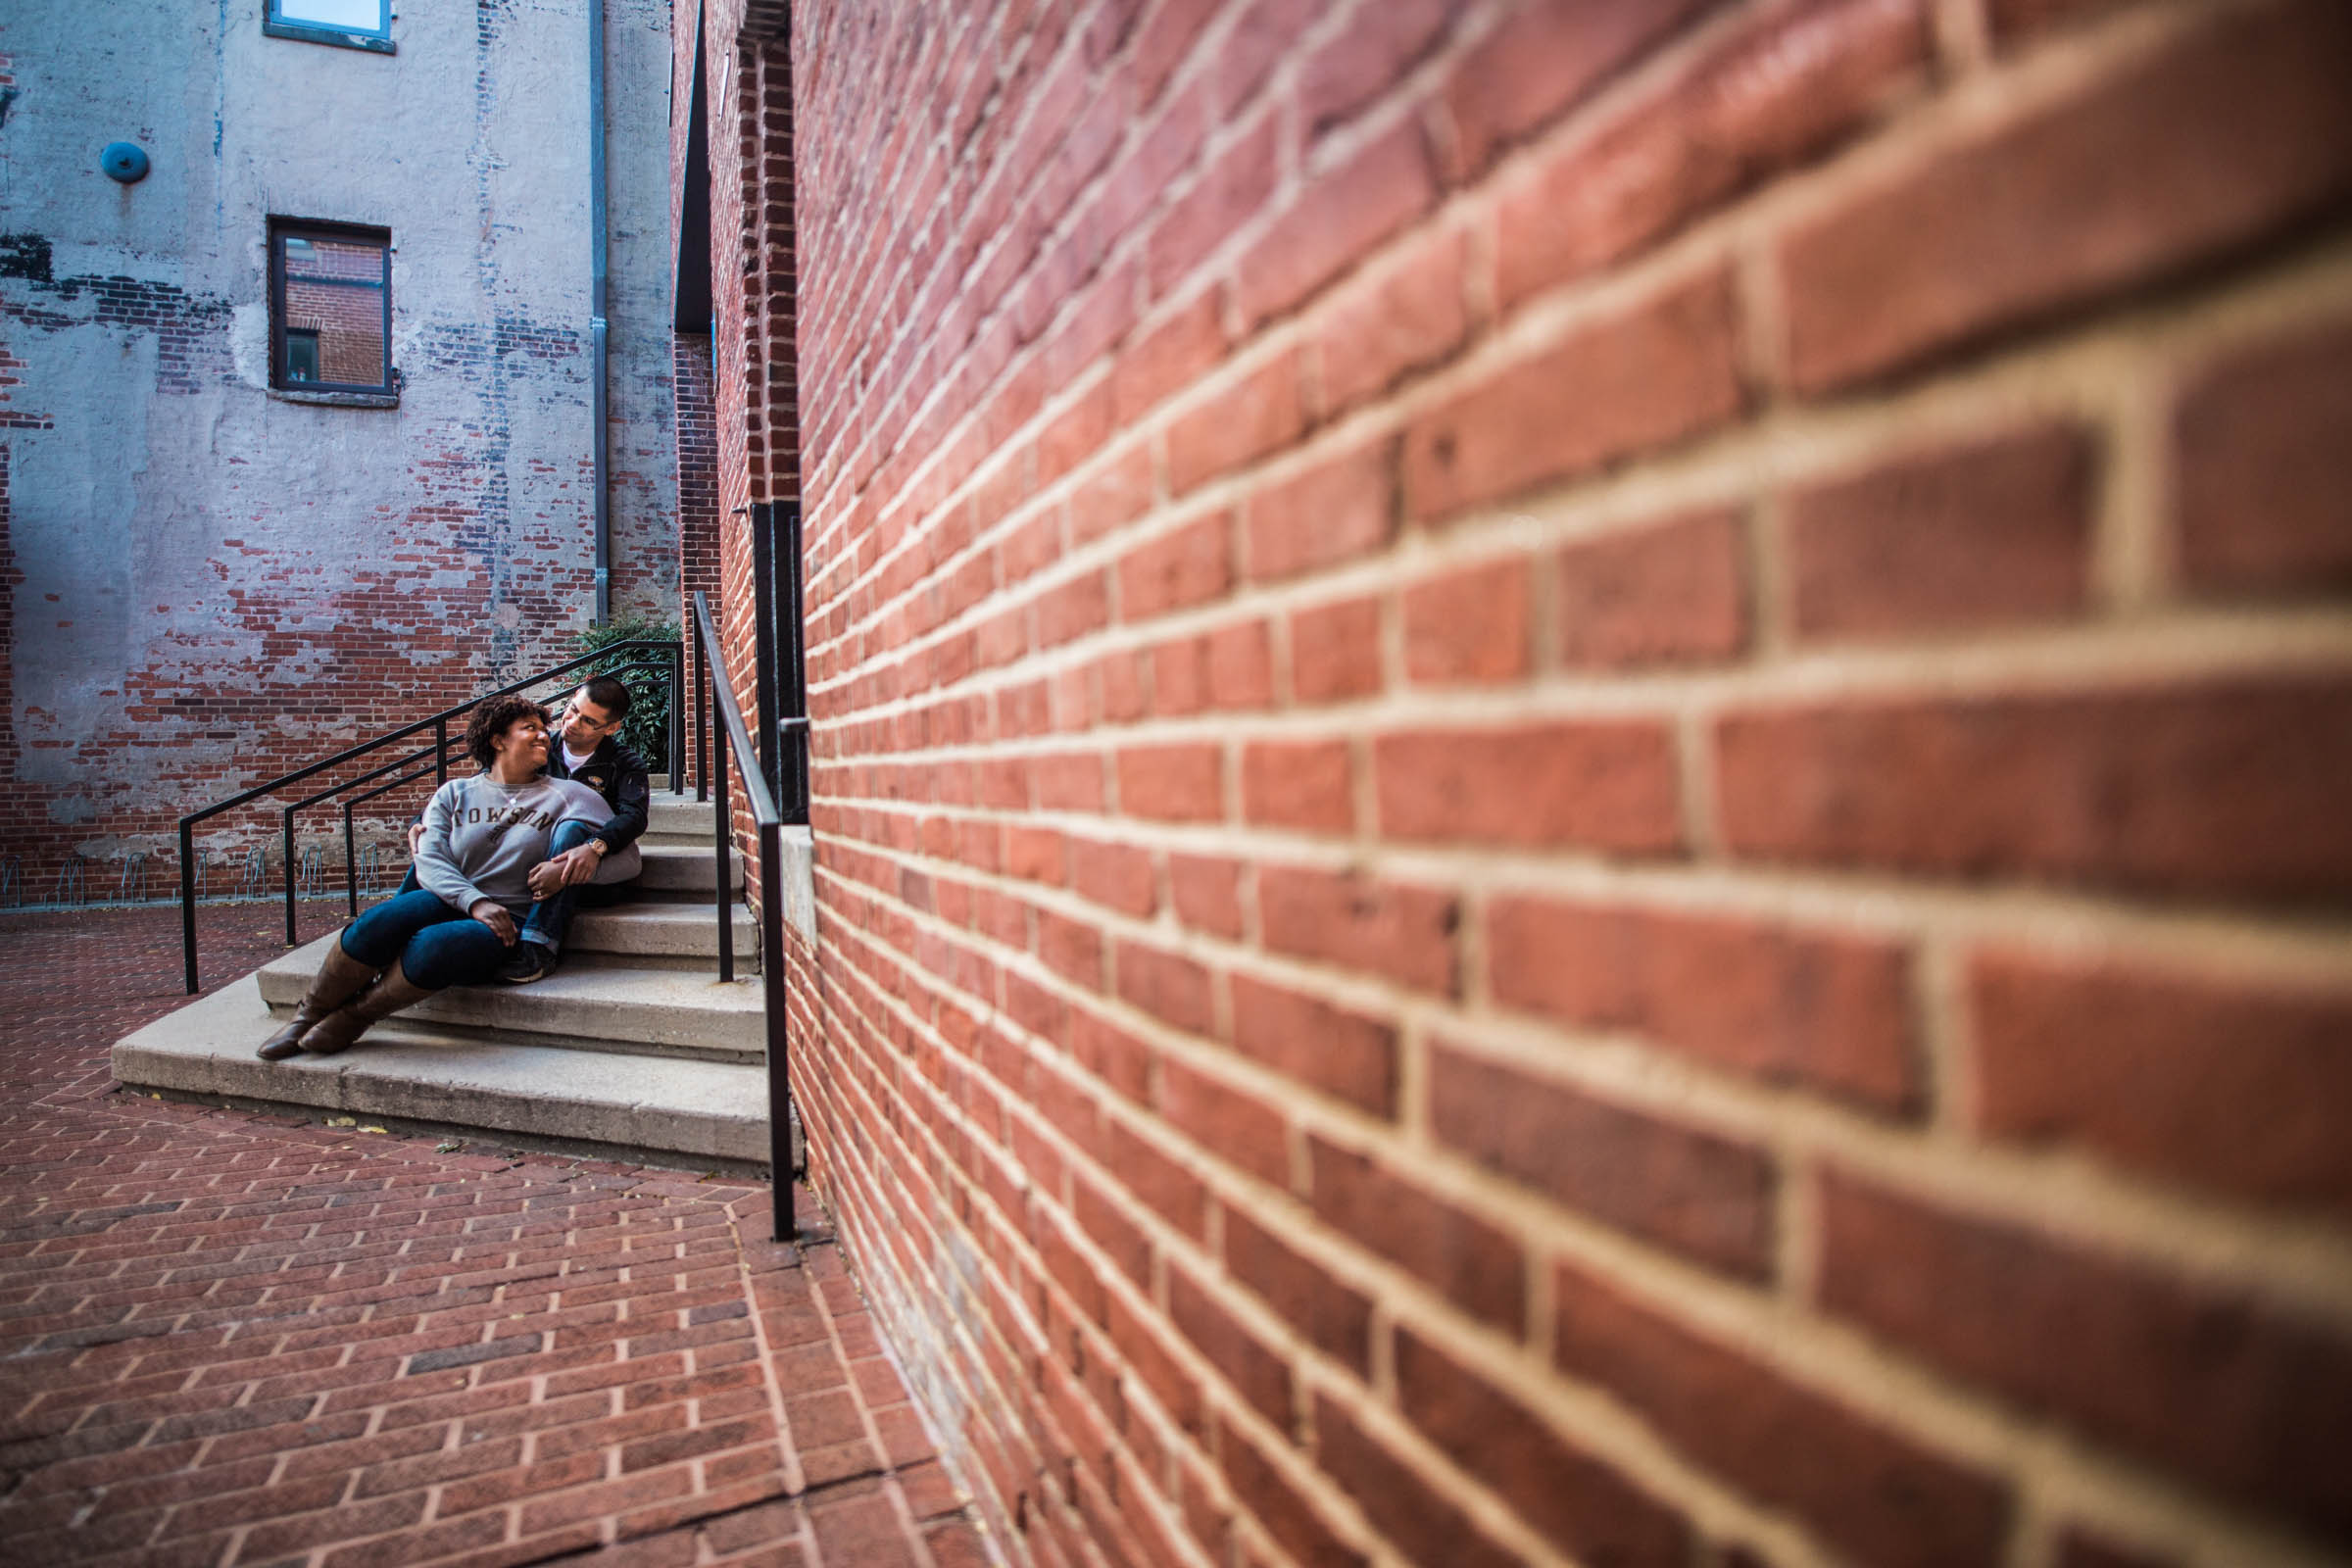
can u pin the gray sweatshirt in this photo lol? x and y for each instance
(482, 839)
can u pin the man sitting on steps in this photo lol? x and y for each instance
(586, 868)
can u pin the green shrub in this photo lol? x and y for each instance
(646, 727)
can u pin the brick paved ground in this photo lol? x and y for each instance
(231, 1338)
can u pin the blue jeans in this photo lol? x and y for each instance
(434, 945)
(549, 916)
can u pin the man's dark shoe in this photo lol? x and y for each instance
(530, 962)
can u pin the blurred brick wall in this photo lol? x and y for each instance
(748, 126)
(697, 477)
(1581, 767)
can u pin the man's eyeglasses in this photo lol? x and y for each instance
(574, 714)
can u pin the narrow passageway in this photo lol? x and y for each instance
(231, 1338)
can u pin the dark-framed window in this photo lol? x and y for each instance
(351, 24)
(330, 307)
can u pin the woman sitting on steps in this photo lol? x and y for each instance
(483, 836)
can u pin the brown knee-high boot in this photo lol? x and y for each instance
(392, 991)
(337, 981)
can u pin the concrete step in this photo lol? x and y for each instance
(666, 1111)
(679, 816)
(664, 1012)
(654, 935)
(684, 868)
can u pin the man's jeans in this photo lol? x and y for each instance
(549, 916)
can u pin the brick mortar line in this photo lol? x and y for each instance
(876, 1177)
(2060, 659)
(880, 1304)
(1962, 36)
(2297, 1261)
(1267, 346)
(1397, 412)
(2130, 568)
(2303, 958)
(1222, 1397)
(946, 1451)
(1710, 1504)
(1837, 1361)
(1193, 66)
(978, 1505)
(1658, 66)
(2213, 941)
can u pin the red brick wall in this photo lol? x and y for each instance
(747, 73)
(697, 476)
(1581, 769)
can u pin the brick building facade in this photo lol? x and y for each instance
(1580, 767)
(205, 579)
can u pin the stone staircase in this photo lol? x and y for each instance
(633, 1050)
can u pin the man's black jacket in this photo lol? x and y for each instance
(617, 773)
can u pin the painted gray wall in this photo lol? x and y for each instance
(217, 582)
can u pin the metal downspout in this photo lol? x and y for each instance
(600, 434)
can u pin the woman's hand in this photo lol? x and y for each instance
(493, 914)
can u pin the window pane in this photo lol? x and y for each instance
(334, 305)
(356, 16)
(302, 356)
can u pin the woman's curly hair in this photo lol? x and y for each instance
(490, 720)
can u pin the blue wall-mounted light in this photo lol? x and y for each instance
(124, 160)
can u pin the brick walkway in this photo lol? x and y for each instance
(231, 1338)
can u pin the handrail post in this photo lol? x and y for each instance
(702, 717)
(730, 734)
(779, 1044)
(794, 676)
(677, 720)
(289, 837)
(440, 752)
(719, 833)
(351, 865)
(764, 644)
(187, 899)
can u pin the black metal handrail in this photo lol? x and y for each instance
(438, 723)
(779, 655)
(351, 880)
(712, 682)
